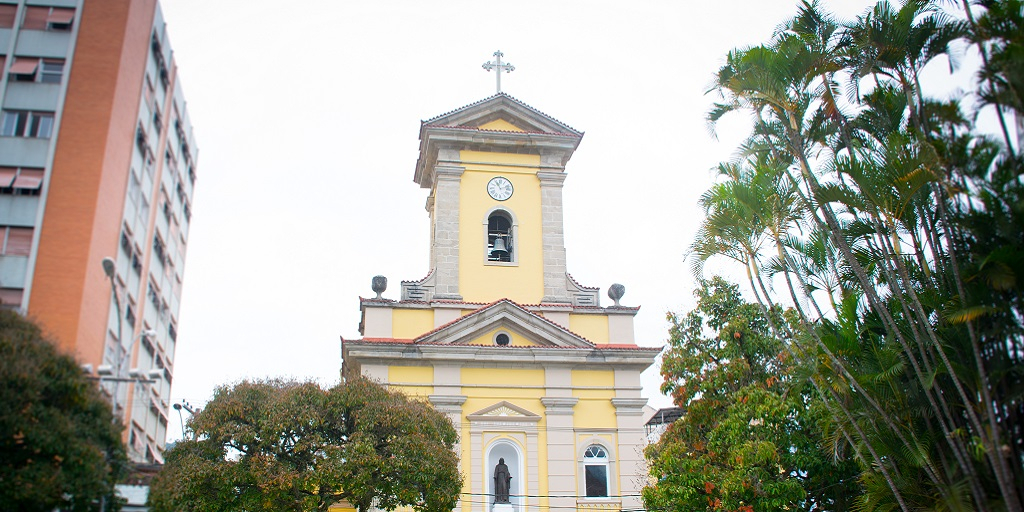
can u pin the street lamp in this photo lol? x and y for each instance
(117, 374)
(191, 412)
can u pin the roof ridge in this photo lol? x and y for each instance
(502, 95)
(492, 304)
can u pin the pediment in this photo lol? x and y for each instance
(504, 411)
(500, 123)
(505, 314)
(502, 107)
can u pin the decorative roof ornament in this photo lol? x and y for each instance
(379, 285)
(498, 66)
(615, 292)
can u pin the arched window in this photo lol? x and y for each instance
(500, 245)
(595, 471)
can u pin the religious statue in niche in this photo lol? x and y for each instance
(502, 480)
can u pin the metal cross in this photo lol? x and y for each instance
(499, 66)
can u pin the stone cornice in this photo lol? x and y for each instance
(629, 406)
(447, 403)
(440, 400)
(433, 138)
(513, 357)
(551, 179)
(559, 405)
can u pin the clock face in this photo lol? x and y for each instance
(499, 188)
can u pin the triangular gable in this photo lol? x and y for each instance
(536, 133)
(506, 108)
(503, 411)
(507, 315)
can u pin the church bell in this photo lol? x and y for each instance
(499, 248)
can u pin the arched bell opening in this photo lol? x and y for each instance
(501, 243)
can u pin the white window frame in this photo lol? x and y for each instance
(608, 462)
(53, 75)
(515, 237)
(33, 124)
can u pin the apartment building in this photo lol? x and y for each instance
(97, 160)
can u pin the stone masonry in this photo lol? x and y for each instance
(553, 236)
(445, 250)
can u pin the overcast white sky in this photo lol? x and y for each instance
(307, 113)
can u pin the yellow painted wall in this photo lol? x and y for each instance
(411, 380)
(522, 282)
(591, 327)
(595, 409)
(489, 376)
(500, 124)
(411, 323)
(516, 339)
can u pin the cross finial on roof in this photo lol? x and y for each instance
(498, 66)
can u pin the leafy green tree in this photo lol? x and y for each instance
(748, 439)
(896, 230)
(59, 444)
(279, 445)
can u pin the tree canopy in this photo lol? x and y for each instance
(893, 230)
(749, 438)
(280, 445)
(60, 446)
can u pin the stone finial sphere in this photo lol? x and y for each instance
(379, 284)
(615, 292)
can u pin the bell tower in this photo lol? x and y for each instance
(541, 382)
(495, 170)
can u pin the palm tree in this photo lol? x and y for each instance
(889, 205)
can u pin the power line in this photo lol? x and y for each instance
(612, 496)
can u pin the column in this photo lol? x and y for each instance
(561, 451)
(553, 236)
(445, 249)
(631, 465)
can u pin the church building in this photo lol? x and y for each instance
(540, 380)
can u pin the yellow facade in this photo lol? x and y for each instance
(591, 327)
(409, 323)
(523, 360)
(482, 281)
(412, 380)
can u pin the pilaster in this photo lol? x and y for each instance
(445, 249)
(632, 467)
(561, 451)
(553, 236)
(451, 406)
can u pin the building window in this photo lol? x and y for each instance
(149, 92)
(154, 296)
(32, 69)
(20, 181)
(23, 69)
(48, 18)
(7, 14)
(51, 71)
(502, 339)
(595, 469)
(129, 314)
(23, 123)
(158, 122)
(16, 241)
(10, 298)
(500, 245)
(159, 249)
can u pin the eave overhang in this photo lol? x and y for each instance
(458, 130)
(407, 353)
